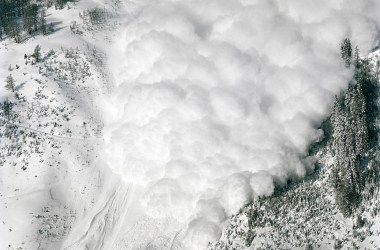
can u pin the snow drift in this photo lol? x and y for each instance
(217, 101)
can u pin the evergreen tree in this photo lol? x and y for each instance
(29, 18)
(59, 4)
(23, 15)
(37, 53)
(367, 80)
(7, 107)
(10, 83)
(14, 30)
(43, 25)
(357, 57)
(359, 113)
(346, 51)
(350, 142)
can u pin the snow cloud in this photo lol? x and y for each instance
(217, 101)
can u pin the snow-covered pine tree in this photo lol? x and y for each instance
(30, 18)
(346, 51)
(6, 107)
(37, 53)
(360, 115)
(10, 83)
(339, 132)
(350, 142)
(14, 30)
(42, 23)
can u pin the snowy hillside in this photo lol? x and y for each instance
(189, 124)
(306, 214)
(50, 132)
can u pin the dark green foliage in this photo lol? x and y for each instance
(37, 53)
(370, 90)
(10, 83)
(97, 15)
(13, 30)
(357, 58)
(59, 4)
(347, 198)
(42, 23)
(306, 203)
(6, 107)
(354, 132)
(338, 244)
(30, 18)
(350, 142)
(309, 247)
(360, 221)
(24, 15)
(94, 16)
(346, 51)
(11, 13)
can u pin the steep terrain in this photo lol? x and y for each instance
(310, 213)
(149, 124)
(50, 127)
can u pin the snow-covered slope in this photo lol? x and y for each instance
(148, 124)
(304, 214)
(51, 138)
(216, 102)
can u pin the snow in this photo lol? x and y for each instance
(206, 100)
(206, 106)
(279, 222)
(49, 180)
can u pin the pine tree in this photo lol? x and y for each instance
(10, 83)
(7, 107)
(357, 57)
(24, 14)
(14, 30)
(28, 19)
(43, 25)
(37, 53)
(339, 121)
(346, 51)
(350, 142)
(361, 124)
(59, 4)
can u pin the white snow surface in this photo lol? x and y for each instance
(216, 101)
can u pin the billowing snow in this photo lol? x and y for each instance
(206, 106)
(216, 101)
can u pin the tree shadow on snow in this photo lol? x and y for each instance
(20, 86)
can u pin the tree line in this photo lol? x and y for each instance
(354, 133)
(17, 16)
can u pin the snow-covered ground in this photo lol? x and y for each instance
(49, 177)
(150, 129)
(216, 102)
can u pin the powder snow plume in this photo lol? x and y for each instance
(216, 101)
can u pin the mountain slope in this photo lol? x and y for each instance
(50, 129)
(304, 214)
